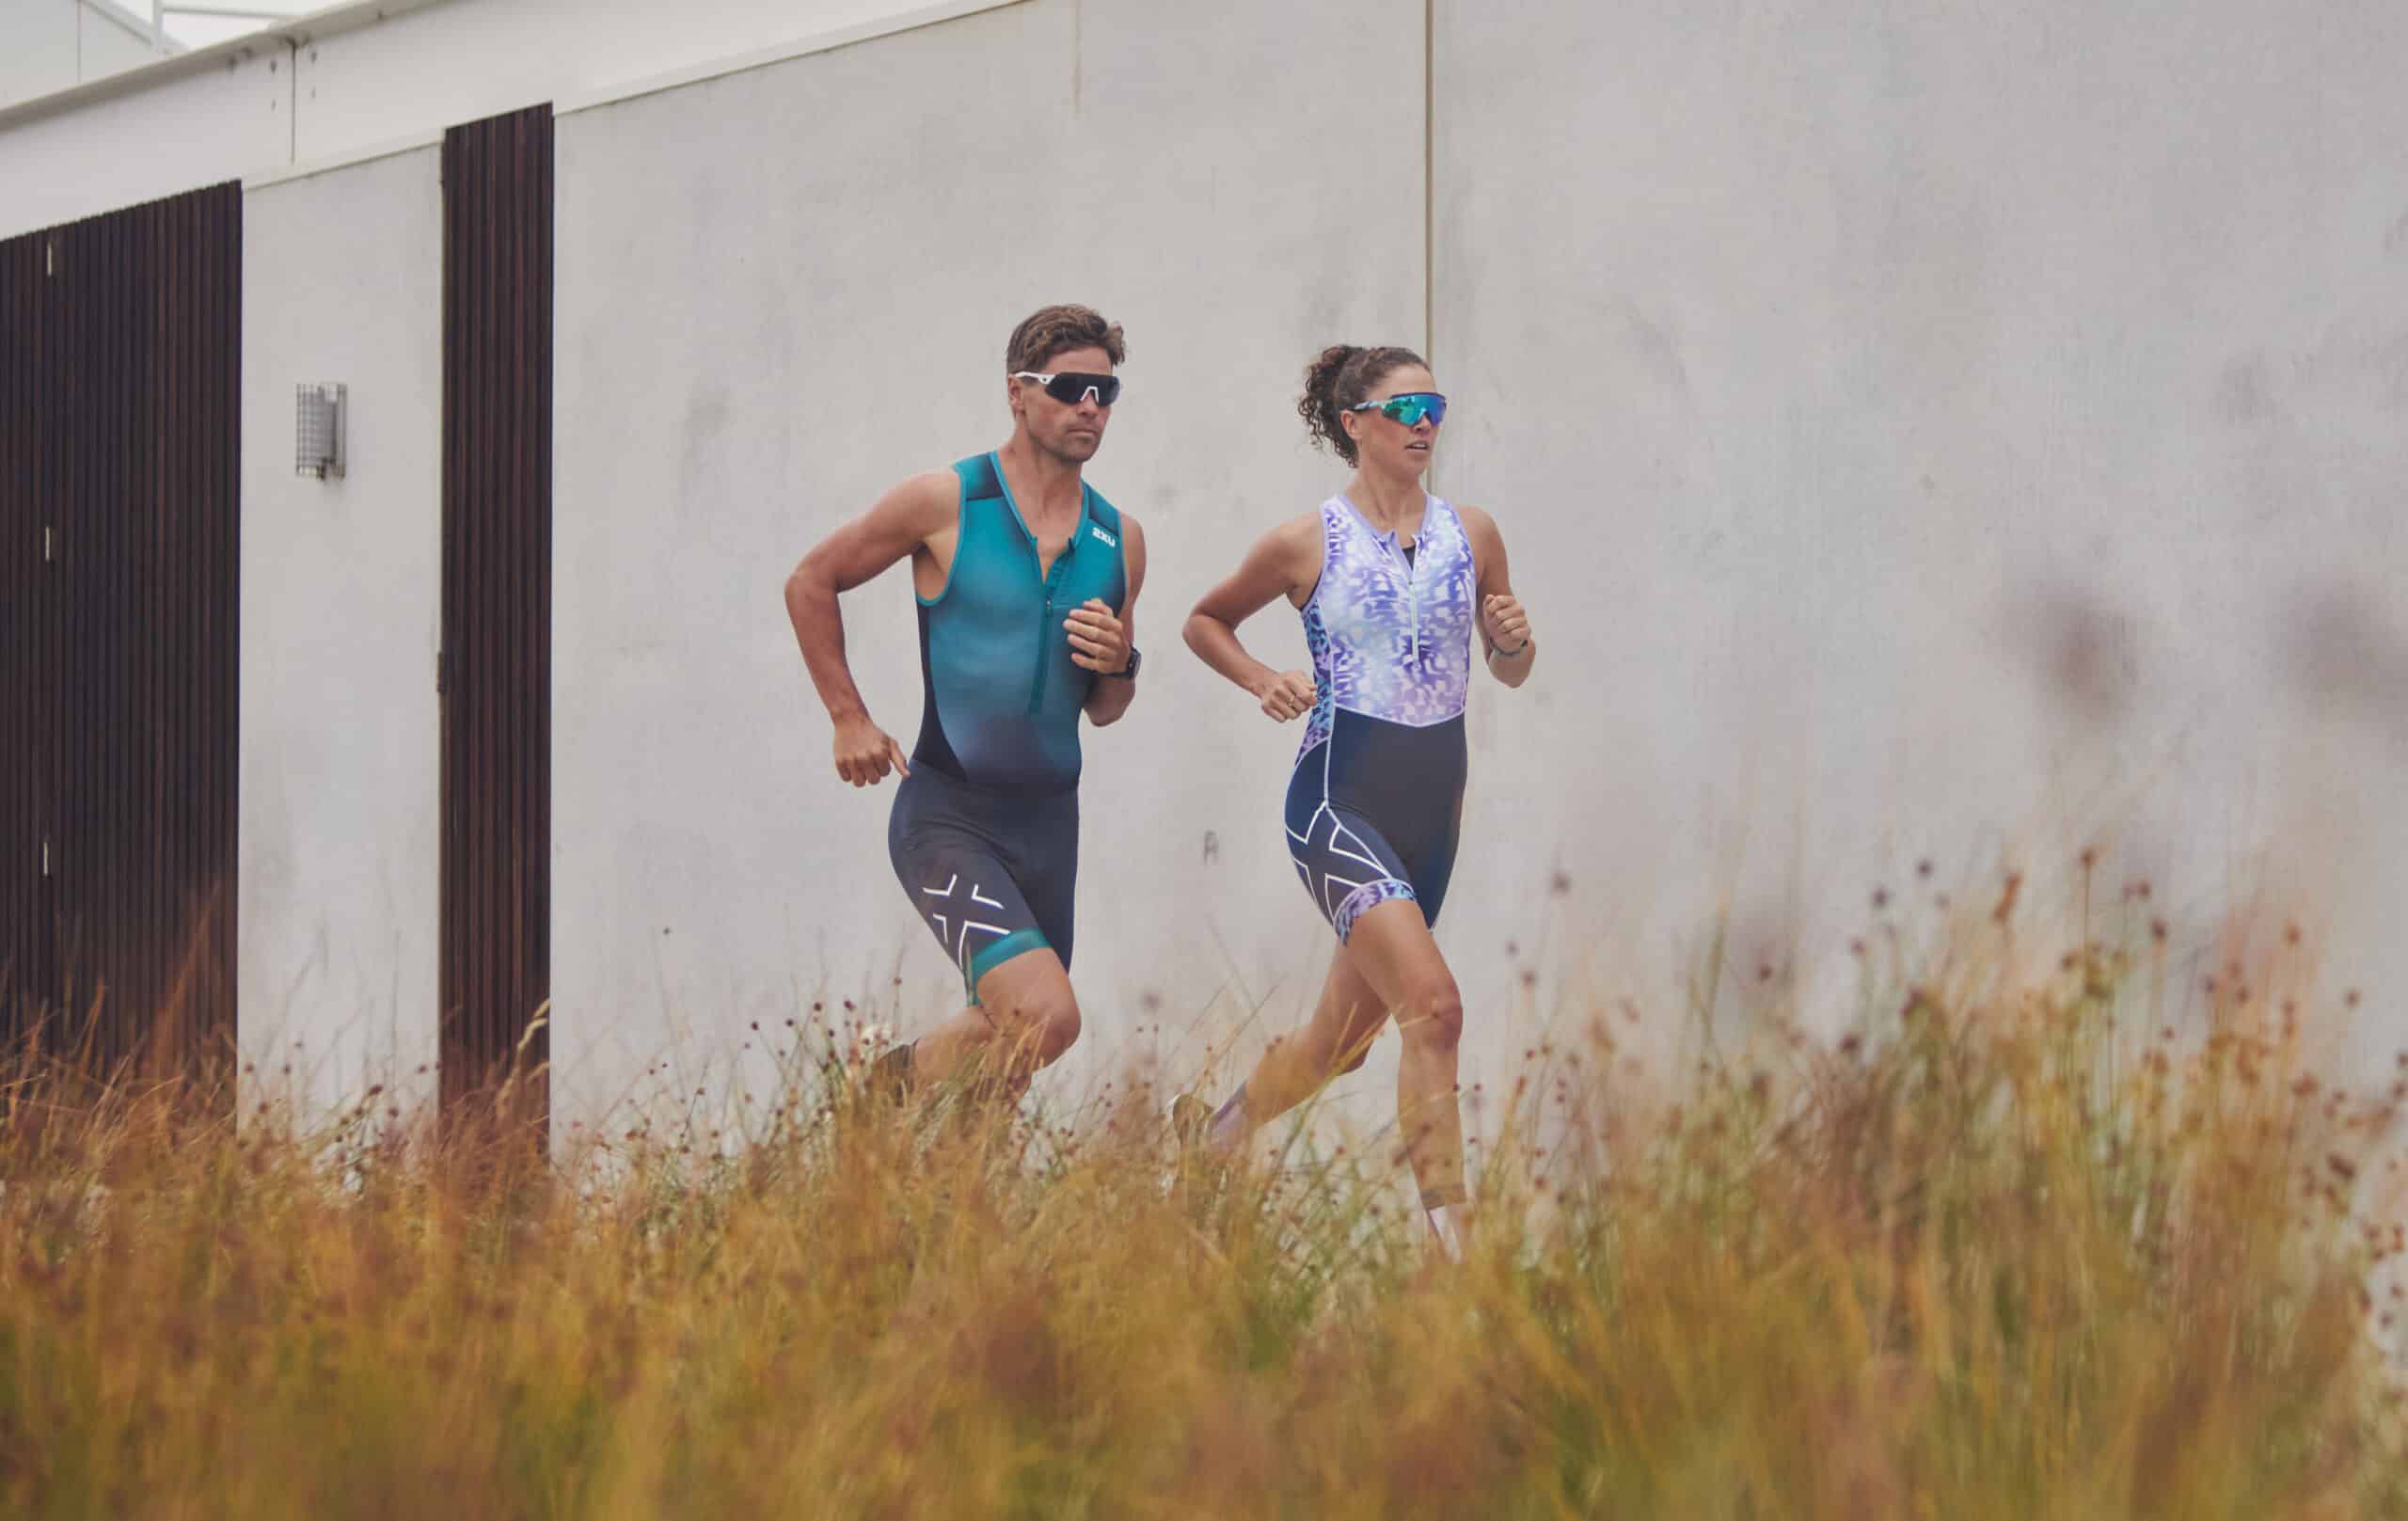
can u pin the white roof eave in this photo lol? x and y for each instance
(298, 32)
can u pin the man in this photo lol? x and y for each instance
(1027, 580)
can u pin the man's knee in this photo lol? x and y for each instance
(1057, 1026)
(1043, 1021)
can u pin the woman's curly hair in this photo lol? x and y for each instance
(1338, 378)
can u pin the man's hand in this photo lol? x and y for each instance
(1289, 696)
(865, 751)
(1507, 625)
(1096, 640)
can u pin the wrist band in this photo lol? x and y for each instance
(1513, 654)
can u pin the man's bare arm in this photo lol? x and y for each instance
(1101, 643)
(906, 518)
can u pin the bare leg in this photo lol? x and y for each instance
(1332, 1042)
(1393, 949)
(1025, 1017)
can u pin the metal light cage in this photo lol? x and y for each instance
(318, 430)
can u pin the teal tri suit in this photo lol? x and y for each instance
(985, 832)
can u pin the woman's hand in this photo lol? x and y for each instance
(1287, 695)
(1507, 625)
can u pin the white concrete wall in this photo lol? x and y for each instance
(473, 58)
(342, 280)
(781, 290)
(325, 88)
(196, 130)
(1947, 432)
(1920, 438)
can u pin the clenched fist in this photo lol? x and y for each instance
(1507, 625)
(1098, 641)
(1287, 695)
(864, 753)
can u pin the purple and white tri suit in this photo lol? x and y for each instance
(1375, 802)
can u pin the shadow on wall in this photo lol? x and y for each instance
(2087, 653)
(2348, 658)
(2342, 651)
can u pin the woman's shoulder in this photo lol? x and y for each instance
(1294, 549)
(1305, 528)
(1479, 526)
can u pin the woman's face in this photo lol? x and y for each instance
(1382, 442)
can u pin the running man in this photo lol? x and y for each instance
(1027, 582)
(1390, 582)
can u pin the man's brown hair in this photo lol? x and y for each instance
(1053, 331)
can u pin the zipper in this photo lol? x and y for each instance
(1051, 578)
(1045, 623)
(1392, 546)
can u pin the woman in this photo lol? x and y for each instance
(1390, 582)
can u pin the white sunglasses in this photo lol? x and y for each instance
(1070, 388)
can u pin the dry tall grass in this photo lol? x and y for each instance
(2026, 1241)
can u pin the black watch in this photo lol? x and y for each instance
(1128, 671)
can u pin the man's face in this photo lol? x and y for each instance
(1068, 431)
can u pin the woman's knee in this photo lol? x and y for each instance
(1434, 1014)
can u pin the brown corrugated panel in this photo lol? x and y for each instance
(129, 654)
(28, 981)
(495, 935)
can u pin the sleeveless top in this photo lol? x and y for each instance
(1003, 699)
(1391, 636)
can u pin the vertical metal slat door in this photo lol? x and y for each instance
(496, 675)
(124, 767)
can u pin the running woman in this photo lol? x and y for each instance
(1027, 583)
(1391, 582)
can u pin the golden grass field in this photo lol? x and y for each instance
(2044, 1229)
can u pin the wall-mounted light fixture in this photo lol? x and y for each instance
(318, 429)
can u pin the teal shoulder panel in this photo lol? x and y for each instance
(980, 478)
(1103, 576)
